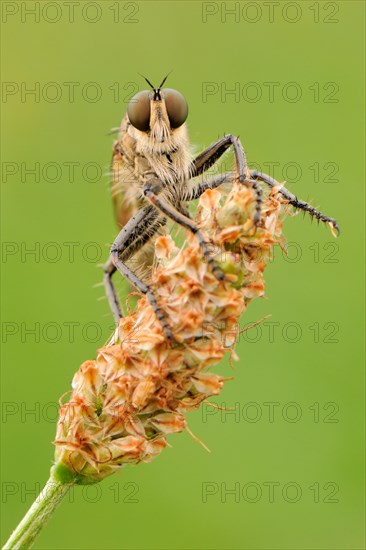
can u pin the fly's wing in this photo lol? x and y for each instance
(124, 183)
(123, 188)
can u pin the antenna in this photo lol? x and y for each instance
(165, 79)
(148, 81)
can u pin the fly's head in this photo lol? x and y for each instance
(158, 118)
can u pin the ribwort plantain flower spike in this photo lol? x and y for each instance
(139, 388)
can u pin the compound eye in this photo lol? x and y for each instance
(138, 111)
(176, 107)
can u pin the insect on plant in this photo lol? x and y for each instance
(152, 181)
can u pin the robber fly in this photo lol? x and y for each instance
(152, 172)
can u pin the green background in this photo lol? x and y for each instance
(321, 372)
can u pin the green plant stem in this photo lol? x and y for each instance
(38, 515)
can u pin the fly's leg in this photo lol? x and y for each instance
(130, 240)
(294, 201)
(210, 155)
(109, 269)
(142, 287)
(216, 181)
(259, 198)
(185, 221)
(210, 183)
